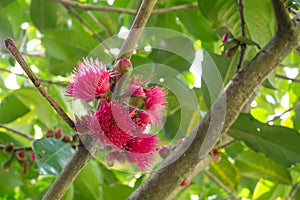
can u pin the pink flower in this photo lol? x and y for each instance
(185, 183)
(89, 80)
(141, 150)
(155, 96)
(126, 63)
(136, 86)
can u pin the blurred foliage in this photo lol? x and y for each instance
(262, 163)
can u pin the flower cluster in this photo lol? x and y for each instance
(120, 124)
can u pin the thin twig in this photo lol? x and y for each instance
(294, 191)
(29, 137)
(294, 107)
(231, 142)
(124, 10)
(243, 31)
(220, 184)
(17, 148)
(296, 80)
(10, 45)
(73, 12)
(42, 80)
(98, 23)
(136, 29)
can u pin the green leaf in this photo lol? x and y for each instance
(5, 30)
(11, 109)
(65, 44)
(226, 172)
(62, 67)
(221, 13)
(111, 194)
(51, 155)
(216, 71)
(280, 144)
(6, 2)
(268, 190)
(38, 104)
(9, 180)
(175, 52)
(247, 41)
(88, 183)
(197, 25)
(69, 195)
(44, 13)
(256, 165)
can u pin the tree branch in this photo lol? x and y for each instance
(220, 184)
(29, 137)
(178, 165)
(287, 78)
(99, 24)
(136, 29)
(294, 191)
(294, 107)
(17, 148)
(123, 10)
(10, 45)
(87, 146)
(243, 31)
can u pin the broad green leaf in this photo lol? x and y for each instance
(51, 155)
(268, 190)
(5, 30)
(69, 195)
(226, 172)
(9, 180)
(111, 194)
(216, 71)
(62, 67)
(38, 104)
(44, 13)
(11, 109)
(278, 143)
(167, 20)
(175, 52)
(197, 25)
(88, 183)
(221, 13)
(64, 44)
(256, 165)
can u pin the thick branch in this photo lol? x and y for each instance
(10, 45)
(175, 168)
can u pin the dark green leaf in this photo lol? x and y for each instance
(197, 25)
(281, 144)
(5, 30)
(64, 44)
(44, 13)
(176, 52)
(51, 155)
(247, 41)
(6, 2)
(11, 109)
(216, 71)
(256, 165)
(111, 194)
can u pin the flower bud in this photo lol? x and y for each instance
(231, 52)
(9, 148)
(58, 133)
(32, 156)
(164, 151)
(225, 37)
(49, 133)
(185, 183)
(21, 155)
(26, 164)
(66, 139)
